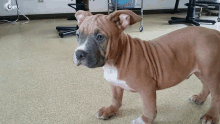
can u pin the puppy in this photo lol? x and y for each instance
(146, 66)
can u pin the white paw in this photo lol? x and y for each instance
(97, 116)
(137, 121)
(191, 99)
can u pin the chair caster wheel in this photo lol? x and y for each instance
(218, 19)
(141, 29)
(61, 35)
(170, 22)
(213, 23)
(197, 24)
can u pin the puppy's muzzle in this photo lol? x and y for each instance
(80, 56)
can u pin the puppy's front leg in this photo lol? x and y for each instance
(148, 97)
(107, 112)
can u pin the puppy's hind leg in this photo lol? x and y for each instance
(212, 115)
(202, 96)
(219, 100)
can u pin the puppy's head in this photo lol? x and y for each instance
(97, 36)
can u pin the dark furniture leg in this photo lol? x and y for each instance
(64, 31)
(68, 32)
(218, 14)
(176, 7)
(58, 28)
(190, 18)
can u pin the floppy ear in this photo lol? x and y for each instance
(81, 15)
(124, 18)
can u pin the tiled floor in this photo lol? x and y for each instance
(39, 84)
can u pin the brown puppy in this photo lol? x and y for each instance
(146, 66)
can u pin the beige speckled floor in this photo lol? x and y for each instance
(39, 84)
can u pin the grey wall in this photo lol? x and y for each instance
(34, 7)
(60, 6)
(163, 4)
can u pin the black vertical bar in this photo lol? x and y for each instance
(176, 6)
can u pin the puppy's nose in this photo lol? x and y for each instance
(80, 54)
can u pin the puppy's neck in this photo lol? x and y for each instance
(132, 53)
(117, 47)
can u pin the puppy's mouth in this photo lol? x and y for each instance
(90, 63)
(82, 62)
(77, 62)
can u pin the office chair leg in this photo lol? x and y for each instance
(206, 21)
(177, 21)
(194, 22)
(58, 28)
(70, 32)
(175, 18)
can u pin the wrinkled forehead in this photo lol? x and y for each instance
(100, 23)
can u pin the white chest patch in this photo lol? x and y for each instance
(111, 75)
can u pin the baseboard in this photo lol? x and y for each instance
(38, 16)
(65, 15)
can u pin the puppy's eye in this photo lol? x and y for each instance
(100, 38)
